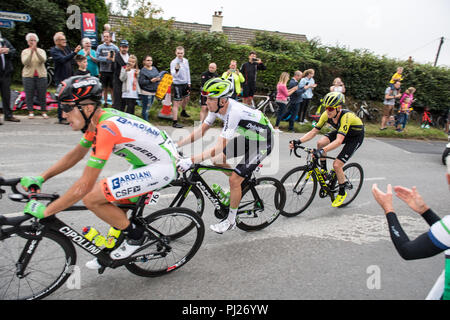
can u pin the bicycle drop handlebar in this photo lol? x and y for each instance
(306, 149)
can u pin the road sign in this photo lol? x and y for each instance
(6, 24)
(15, 16)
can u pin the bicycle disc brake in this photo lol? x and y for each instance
(323, 193)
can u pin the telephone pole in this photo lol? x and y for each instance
(439, 50)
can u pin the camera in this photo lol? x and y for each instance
(111, 54)
(254, 59)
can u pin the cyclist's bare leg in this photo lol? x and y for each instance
(106, 211)
(235, 190)
(338, 166)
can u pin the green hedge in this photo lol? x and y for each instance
(365, 74)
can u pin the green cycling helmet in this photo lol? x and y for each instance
(217, 88)
(333, 100)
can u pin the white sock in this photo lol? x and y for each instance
(232, 215)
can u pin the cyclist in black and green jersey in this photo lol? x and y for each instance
(349, 130)
(255, 141)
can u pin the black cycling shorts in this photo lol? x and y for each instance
(253, 151)
(106, 79)
(351, 144)
(180, 91)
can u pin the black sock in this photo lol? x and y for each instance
(323, 164)
(342, 189)
(134, 231)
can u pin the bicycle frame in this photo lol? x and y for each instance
(53, 224)
(196, 179)
(313, 168)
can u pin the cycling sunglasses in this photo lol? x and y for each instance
(66, 107)
(330, 109)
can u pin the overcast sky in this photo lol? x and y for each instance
(395, 28)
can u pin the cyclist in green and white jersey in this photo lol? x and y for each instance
(255, 141)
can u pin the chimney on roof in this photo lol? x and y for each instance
(216, 22)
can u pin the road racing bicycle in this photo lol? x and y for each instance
(38, 256)
(262, 198)
(301, 183)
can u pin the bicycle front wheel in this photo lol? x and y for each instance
(354, 175)
(167, 252)
(51, 264)
(261, 204)
(301, 187)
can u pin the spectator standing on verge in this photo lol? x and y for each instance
(307, 80)
(120, 60)
(282, 97)
(205, 76)
(179, 68)
(250, 70)
(7, 52)
(338, 86)
(236, 78)
(63, 59)
(130, 85)
(389, 102)
(34, 75)
(89, 53)
(148, 82)
(296, 98)
(106, 53)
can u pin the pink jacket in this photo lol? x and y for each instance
(282, 92)
(410, 96)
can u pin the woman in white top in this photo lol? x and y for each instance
(130, 84)
(338, 86)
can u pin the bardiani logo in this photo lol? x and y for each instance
(128, 178)
(141, 126)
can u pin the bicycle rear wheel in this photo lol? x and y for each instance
(270, 109)
(50, 266)
(261, 204)
(301, 187)
(167, 252)
(354, 175)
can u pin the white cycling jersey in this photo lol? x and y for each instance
(251, 123)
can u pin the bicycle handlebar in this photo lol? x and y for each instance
(306, 149)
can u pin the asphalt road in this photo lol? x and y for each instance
(325, 253)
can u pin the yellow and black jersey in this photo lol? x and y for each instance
(348, 124)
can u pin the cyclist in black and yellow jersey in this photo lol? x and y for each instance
(349, 130)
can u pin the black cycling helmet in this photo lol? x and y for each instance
(74, 90)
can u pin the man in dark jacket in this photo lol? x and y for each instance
(249, 70)
(120, 60)
(7, 52)
(63, 59)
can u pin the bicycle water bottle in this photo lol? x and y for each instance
(224, 197)
(94, 236)
(111, 238)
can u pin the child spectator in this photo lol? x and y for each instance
(426, 119)
(402, 116)
(82, 63)
(398, 76)
(130, 84)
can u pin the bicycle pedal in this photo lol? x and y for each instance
(101, 270)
